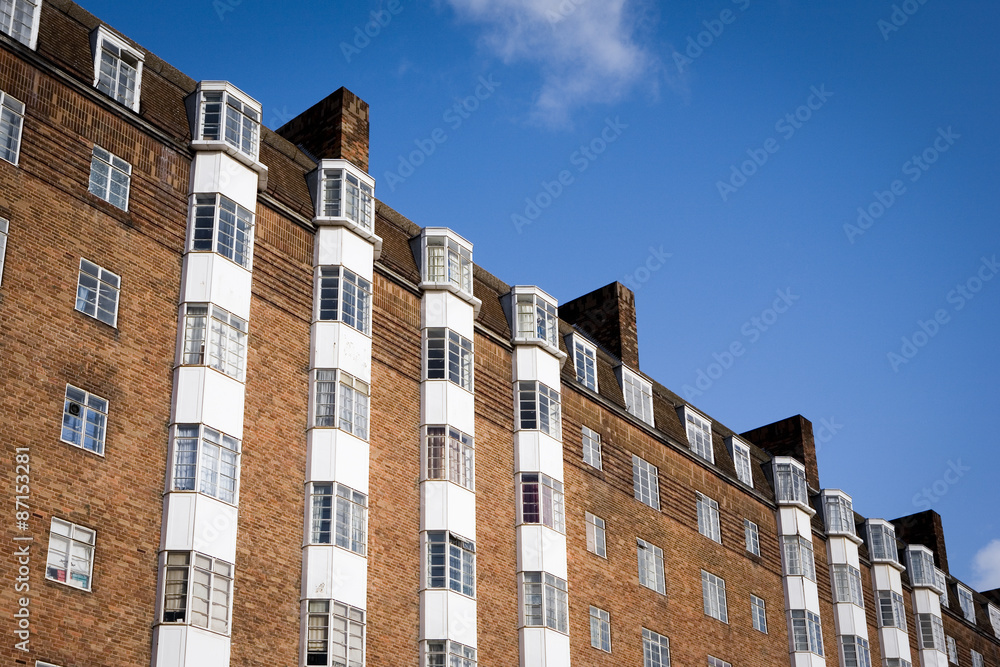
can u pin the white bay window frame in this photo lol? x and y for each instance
(214, 337)
(536, 317)
(220, 225)
(790, 482)
(882, 541)
(542, 501)
(197, 590)
(335, 634)
(446, 261)
(341, 401)
(450, 455)
(344, 193)
(343, 296)
(227, 118)
(205, 461)
(545, 601)
(117, 67)
(538, 408)
(838, 513)
(448, 356)
(338, 515)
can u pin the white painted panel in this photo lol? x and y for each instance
(536, 452)
(539, 548)
(433, 614)
(205, 395)
(795, 594)
(177, 533)
(199, 522)
(852, 555)
(889, 639)
(433, 402)
(788, 520)
(169, 645)
(556, 649)
(340, 246)
(807, 660)
(932, 658)
(217, 172)
(926, 601)
(895, 578)
(434, 505)
(332, 573)
(208, 277)
(880, 575)
(532, 647)
(844, 619)
(860, 620)
(836, 549)
(337, 345)
(333, 455)
(324, 344)
(461, 619)
(532, 362)
(317, 571)
(804, 524)
(439, 308)
(442, 402)
(447, 506)
(811, 592)
(461, 511)
(206, 649)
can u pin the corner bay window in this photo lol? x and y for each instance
(345, 195)
(338, 516)
(335, 634)
(216, 338)
(930, 632)
(206, 461)
(921, 567)
(538, 407)
(451, 563)
(222, 226)
(447, 262)
(891, 611)
(847, 584)
(542, 500)
(450, 654)
(856, 651)
(345, 297)
(790, 482)
(341, 402)
(807, 634)
(225, 117)
(448, 357)
(197, 590)
(536, 319)
(839, 514)
(882, 541)
(450, 455)
(546, 601)
(799, 556)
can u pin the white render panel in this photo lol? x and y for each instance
(170, 645)
(332, 573)
(811, 591)
(342, 247)
(886, 577)
(932, 658)
(532, 362)
(541, 549)
(789, 520)
(836, 549)
(217, 172)
(535, 451)
(926, 601)
(802, 659)
(543, 647)
(462, 619)
(208, 277)
(194, 521)
(895, 643)
(442, 402)
(447, 506)
(445, 614)
(850, 619)
(338, 345)
(795, 593)
(205, 395)
(439, 308)
(333, 455)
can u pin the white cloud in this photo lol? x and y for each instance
(986, 567)
(586, 50)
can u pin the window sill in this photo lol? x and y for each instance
(184, 624)
(234, 504)
(362, 231)
(238, 155)
(843, 533)
(476, 304)
(82, 448)
(69, 585)
(548, 346)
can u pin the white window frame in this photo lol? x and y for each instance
(453, 549)
(994, 614)
(592, 448)
(218, 615)
(98, 292)
(338, 516)
(11, 127)
(76, 555)
(855, 651)
(237, 131)
(541, 501)
(942, 584)
(346, 408)
(797, 557)
(655, 649)
(328, 620)
(214, 454)
(977, 658)
(229, 231)
(545, 601)
(600, 629)
(790, 482)
(806, 631)
(584, 361)
(646, 482)
(845, 582)
(758, 613)
(891, 609)
(713, 592)
(650, 560)
(897, 662)
(751, 537)
(638, 393)
(449, 356)
(343, 296)
(717, 662)
(708, 517)
(536, 317)
(214, 337)
(344, 192)
(84, 419)
(920, 566)
(545, 403)
(930, 632)
(4, 232)
(596, 535)
(447, 653)
(109, 176)
(967, 603)
(119, 52)
(740, 451)
(449, 455)
(838, 513)
(450, 267)
(882, 541)
(952, 649)
(34, 7)
(699, 433)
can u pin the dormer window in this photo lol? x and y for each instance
(535, 316)
(117, 68)
(790, 481)
(345, 192)
(638, 395)
(225, 114)
(585, 362)
(838, 513)
(882, 541)
(19, 19)
(740, 452)
(446, 259)
(921, 566)
(699, 433)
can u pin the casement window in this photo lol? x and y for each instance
(222, 226)
(995, 619)
(930, 632)
(451, 563)
(713, 590)
(921, 567)
(807, 633)
(11, 122)
(790, 481)
(339, 515)
(341, 402)
(645, 482)
(638, 395)
(206, 461)
(882, 541)
(19, 19)
(447, 262)
(591, 447)
(966, 603)
(538, 408)
(71, 554)
(215, 338)
(344, 297)
(741, 459)
(891, 611)
(600, 629)
(226, 116)
(449, 357)
(942, 584)
(846, 580)
(546, 601)
(699, 434)
(97, 292)
(896, 662)
(716, 662)
(585, 362)
(449, 654)
(952, 650)
(708, 517)
(197, 590)
(651, 566)
(655, 649)
(798, 553)
(345, 194)
(977, 659)
(110, 177)
(335, 634)
(838, 513)
(537, 319)
(542, 500)
(84, 420)
(751, 536)
(117, 68)
(855, 651)
(451, 455)
(4, 231)
(596, 541)
(758, 613)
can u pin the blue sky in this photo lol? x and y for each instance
(728, 159)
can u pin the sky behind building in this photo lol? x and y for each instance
(800, 194)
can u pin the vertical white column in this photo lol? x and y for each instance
(927, 607)
(886, 570)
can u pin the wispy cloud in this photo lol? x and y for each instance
(986, 567)
(586, 50)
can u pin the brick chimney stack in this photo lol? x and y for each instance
(336, 127)
(608, 316)
(924, 528)
(790, 437)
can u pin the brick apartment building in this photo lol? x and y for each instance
(252, 416)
